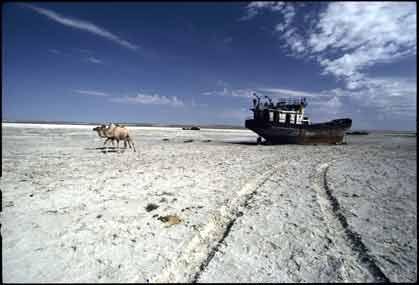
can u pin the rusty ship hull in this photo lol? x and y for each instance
(331, 132)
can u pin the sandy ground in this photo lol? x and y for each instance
(73, 212)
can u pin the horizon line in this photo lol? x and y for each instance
(144, 124)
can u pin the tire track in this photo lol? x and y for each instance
(353, 238)
(189, 265)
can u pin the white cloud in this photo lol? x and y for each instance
(149, 100)
(94, 60)
(287, 10)
(247, 93)
(140, 98)
(375, 96)
(91, 93)
(350, 25)
(334, 104)
(280, 27)
(290, 93)
(378, 97)
(385, 94)
(226, 91)
(82, 25)
(351, 36)
(223, 92)
(347, 39)
(254, 8)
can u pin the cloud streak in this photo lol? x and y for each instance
(82, 25)
(228, 91)
(140, 98)
(291, 93)
(94, 60)
(245, 93)
(92, 93)
(147, 99)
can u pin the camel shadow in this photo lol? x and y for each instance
(105, 149)
(114, 151)
(101, 148)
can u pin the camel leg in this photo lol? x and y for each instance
(117, 145)
(130, 140)
(106, 141)
(104, 144)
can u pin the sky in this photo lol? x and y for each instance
(199, 63)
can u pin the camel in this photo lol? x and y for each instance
(115, 132)
(100, 133)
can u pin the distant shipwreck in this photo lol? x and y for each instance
(357, 133)
(193, 128)
(284, 123)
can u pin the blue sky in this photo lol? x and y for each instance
(198, 63)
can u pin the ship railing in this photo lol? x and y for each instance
(290, 101)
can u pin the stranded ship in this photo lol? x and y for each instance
(284, 122)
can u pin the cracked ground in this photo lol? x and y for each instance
(75, 212)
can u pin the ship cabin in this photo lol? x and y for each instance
(288, 112)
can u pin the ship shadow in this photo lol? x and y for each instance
(249, 143)
(264, 143)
